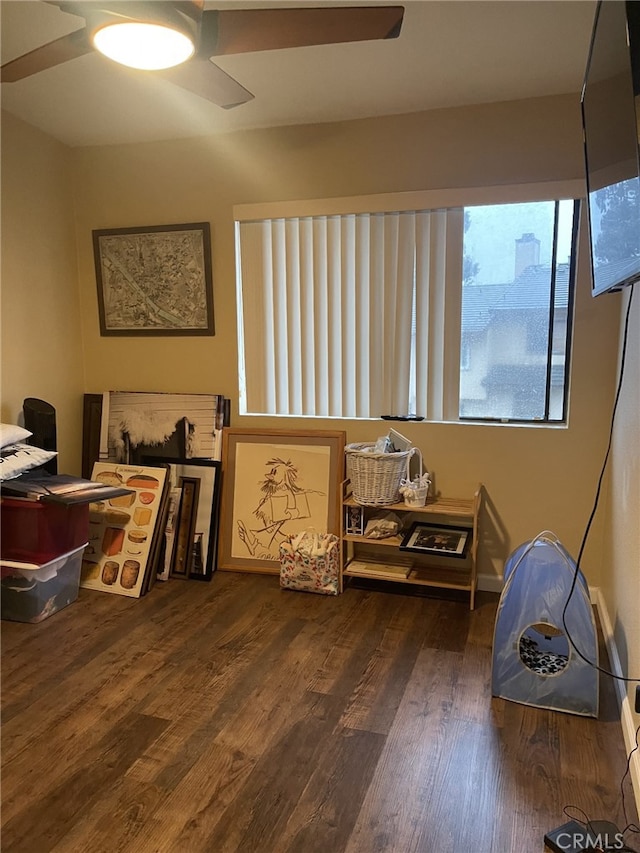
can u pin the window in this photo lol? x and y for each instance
(517, 299)
(450, 313)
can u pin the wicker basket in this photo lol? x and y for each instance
(375, 477)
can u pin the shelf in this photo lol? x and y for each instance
(437, 506)
(442, 576)
(387, 571)
(437, 578)
(389, 542)
(385, 560)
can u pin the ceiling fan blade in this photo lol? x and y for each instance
(231, 31)
(204, 78)
(48, 55)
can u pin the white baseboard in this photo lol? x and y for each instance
(626, 715)
(490, 583)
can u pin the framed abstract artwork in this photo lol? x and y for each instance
(154, 280)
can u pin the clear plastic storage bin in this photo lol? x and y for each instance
(31, 592)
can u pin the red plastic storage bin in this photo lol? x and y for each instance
(37, 532)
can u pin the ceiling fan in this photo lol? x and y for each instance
(203, 34)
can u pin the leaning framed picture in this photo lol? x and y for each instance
(154, 280)
(191, 534)
(437, 539)
(276, 483)
(124, 531)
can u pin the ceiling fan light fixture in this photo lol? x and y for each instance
(145, 46)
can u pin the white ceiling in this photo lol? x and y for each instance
(449, 53)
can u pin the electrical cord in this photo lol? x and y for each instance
(595, 506)
(630, 827)
(587, 822)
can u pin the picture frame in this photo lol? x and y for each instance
(439, 540)
(191, 549)
(276, 483)
(182, 555)
(132, 425)
(154, 280)
(123, 531)
(353, 520)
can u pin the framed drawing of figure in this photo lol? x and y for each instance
(276, 483)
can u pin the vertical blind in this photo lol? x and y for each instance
(345, 315)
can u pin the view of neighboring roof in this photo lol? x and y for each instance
(528, 292)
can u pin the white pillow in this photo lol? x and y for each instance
(10, 434)
(15, 459)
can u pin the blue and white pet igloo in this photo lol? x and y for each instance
(535, 661)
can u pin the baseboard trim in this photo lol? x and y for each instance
(490, 583)
(626, 714)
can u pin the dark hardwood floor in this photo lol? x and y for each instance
(234, 716)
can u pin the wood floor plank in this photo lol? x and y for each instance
(96, 683)
(190, 812)
(236, 716)
(128, 676)
(455, 804)
(64, 740)
(66, 800)
(473, 696)
(379, 691)
(113, 821)
(255, 818)
(72, 647)
(352, 642)
(325, 813)
(396, 804)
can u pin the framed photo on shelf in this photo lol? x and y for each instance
(437, 539)
(354, 520)
(154, 280)
(276, 483)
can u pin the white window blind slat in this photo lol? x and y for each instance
(401, 359)
(278, 275)
(292, 310)
(334, 268)
(348, 315)
(321, 318)
(308, 336)
(361, 327)
(422, 316)
(376, 316)
(390, 299)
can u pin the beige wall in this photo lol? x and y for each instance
(620, 576)
(41, 330)
(535, 479)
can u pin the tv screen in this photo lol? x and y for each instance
(610, 103)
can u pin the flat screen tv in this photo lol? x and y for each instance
(610, 103)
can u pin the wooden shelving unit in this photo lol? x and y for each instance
(383, 559)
